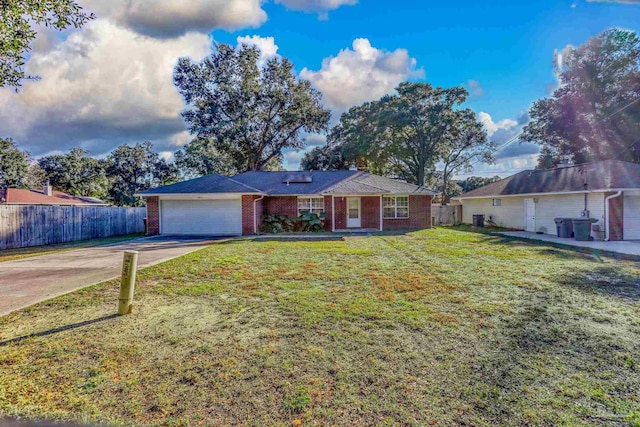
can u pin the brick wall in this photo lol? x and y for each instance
(370, 212)
(327, 209)
(616, 217)
(285, 205)
(341, 212)
(419, 215)
(153, 216)
(247, 213)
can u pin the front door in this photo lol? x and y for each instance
(353, 212)
(529, 215)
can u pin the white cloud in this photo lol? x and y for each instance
(492, 127)
(507, 130)
(504, 167)
(100, 87)
(475, 89)
(267, 46)
(180, 139)
(361, 74)
(173, 18)
(315, 139)
(321, 7)
(292, 159)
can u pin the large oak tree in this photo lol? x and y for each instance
(595, 112)
(136, 168)
(248, 111)
(407, 135)
(75, 173)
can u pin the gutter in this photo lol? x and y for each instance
(606, 212)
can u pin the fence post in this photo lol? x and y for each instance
(128, 282)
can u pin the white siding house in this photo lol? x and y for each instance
(608, 192)
(510, 212)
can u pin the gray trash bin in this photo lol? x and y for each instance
(582, 228)
(478, 220)
(564, 227)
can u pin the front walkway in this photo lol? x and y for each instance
(30, 280)
(627, 247)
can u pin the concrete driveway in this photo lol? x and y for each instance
(27, 281)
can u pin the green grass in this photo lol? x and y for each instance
(13, 254)
(437, 327)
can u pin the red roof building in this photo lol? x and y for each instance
(47, 196)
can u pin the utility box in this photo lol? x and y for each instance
(598, 232)
(478, 220)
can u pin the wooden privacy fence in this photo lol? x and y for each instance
(446, 215)
(34, 225)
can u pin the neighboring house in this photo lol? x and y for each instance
(48, 196)
(218, 205)
(608, 191)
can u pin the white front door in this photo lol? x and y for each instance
(529, 215)
(353, 212)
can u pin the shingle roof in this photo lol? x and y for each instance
(605, 175)
(272, 182)
(206, 184)
(21, 196)
(292, 183)
(365, 183)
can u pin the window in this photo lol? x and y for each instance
(497, 202)
(396, 207)
(311, 204)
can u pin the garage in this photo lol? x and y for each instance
(201, 217)
(631, 217)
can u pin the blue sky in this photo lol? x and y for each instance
(110, 83)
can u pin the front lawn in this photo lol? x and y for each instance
(437, 327)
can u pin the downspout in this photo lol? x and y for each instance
(606, 212)
(255, 217)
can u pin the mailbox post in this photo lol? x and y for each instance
(128, 282)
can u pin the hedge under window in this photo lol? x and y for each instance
(311, 204)
(396, 206)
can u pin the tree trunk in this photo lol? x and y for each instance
(445, 180)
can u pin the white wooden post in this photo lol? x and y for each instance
(128, 282)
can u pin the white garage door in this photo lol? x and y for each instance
(631, 217)
(201, 217)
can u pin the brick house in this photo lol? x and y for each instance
(352, 200)
(606, 191)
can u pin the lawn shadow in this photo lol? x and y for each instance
(59, 329)
(603, 280)
(544, 335)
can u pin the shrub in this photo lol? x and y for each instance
(307, 222)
